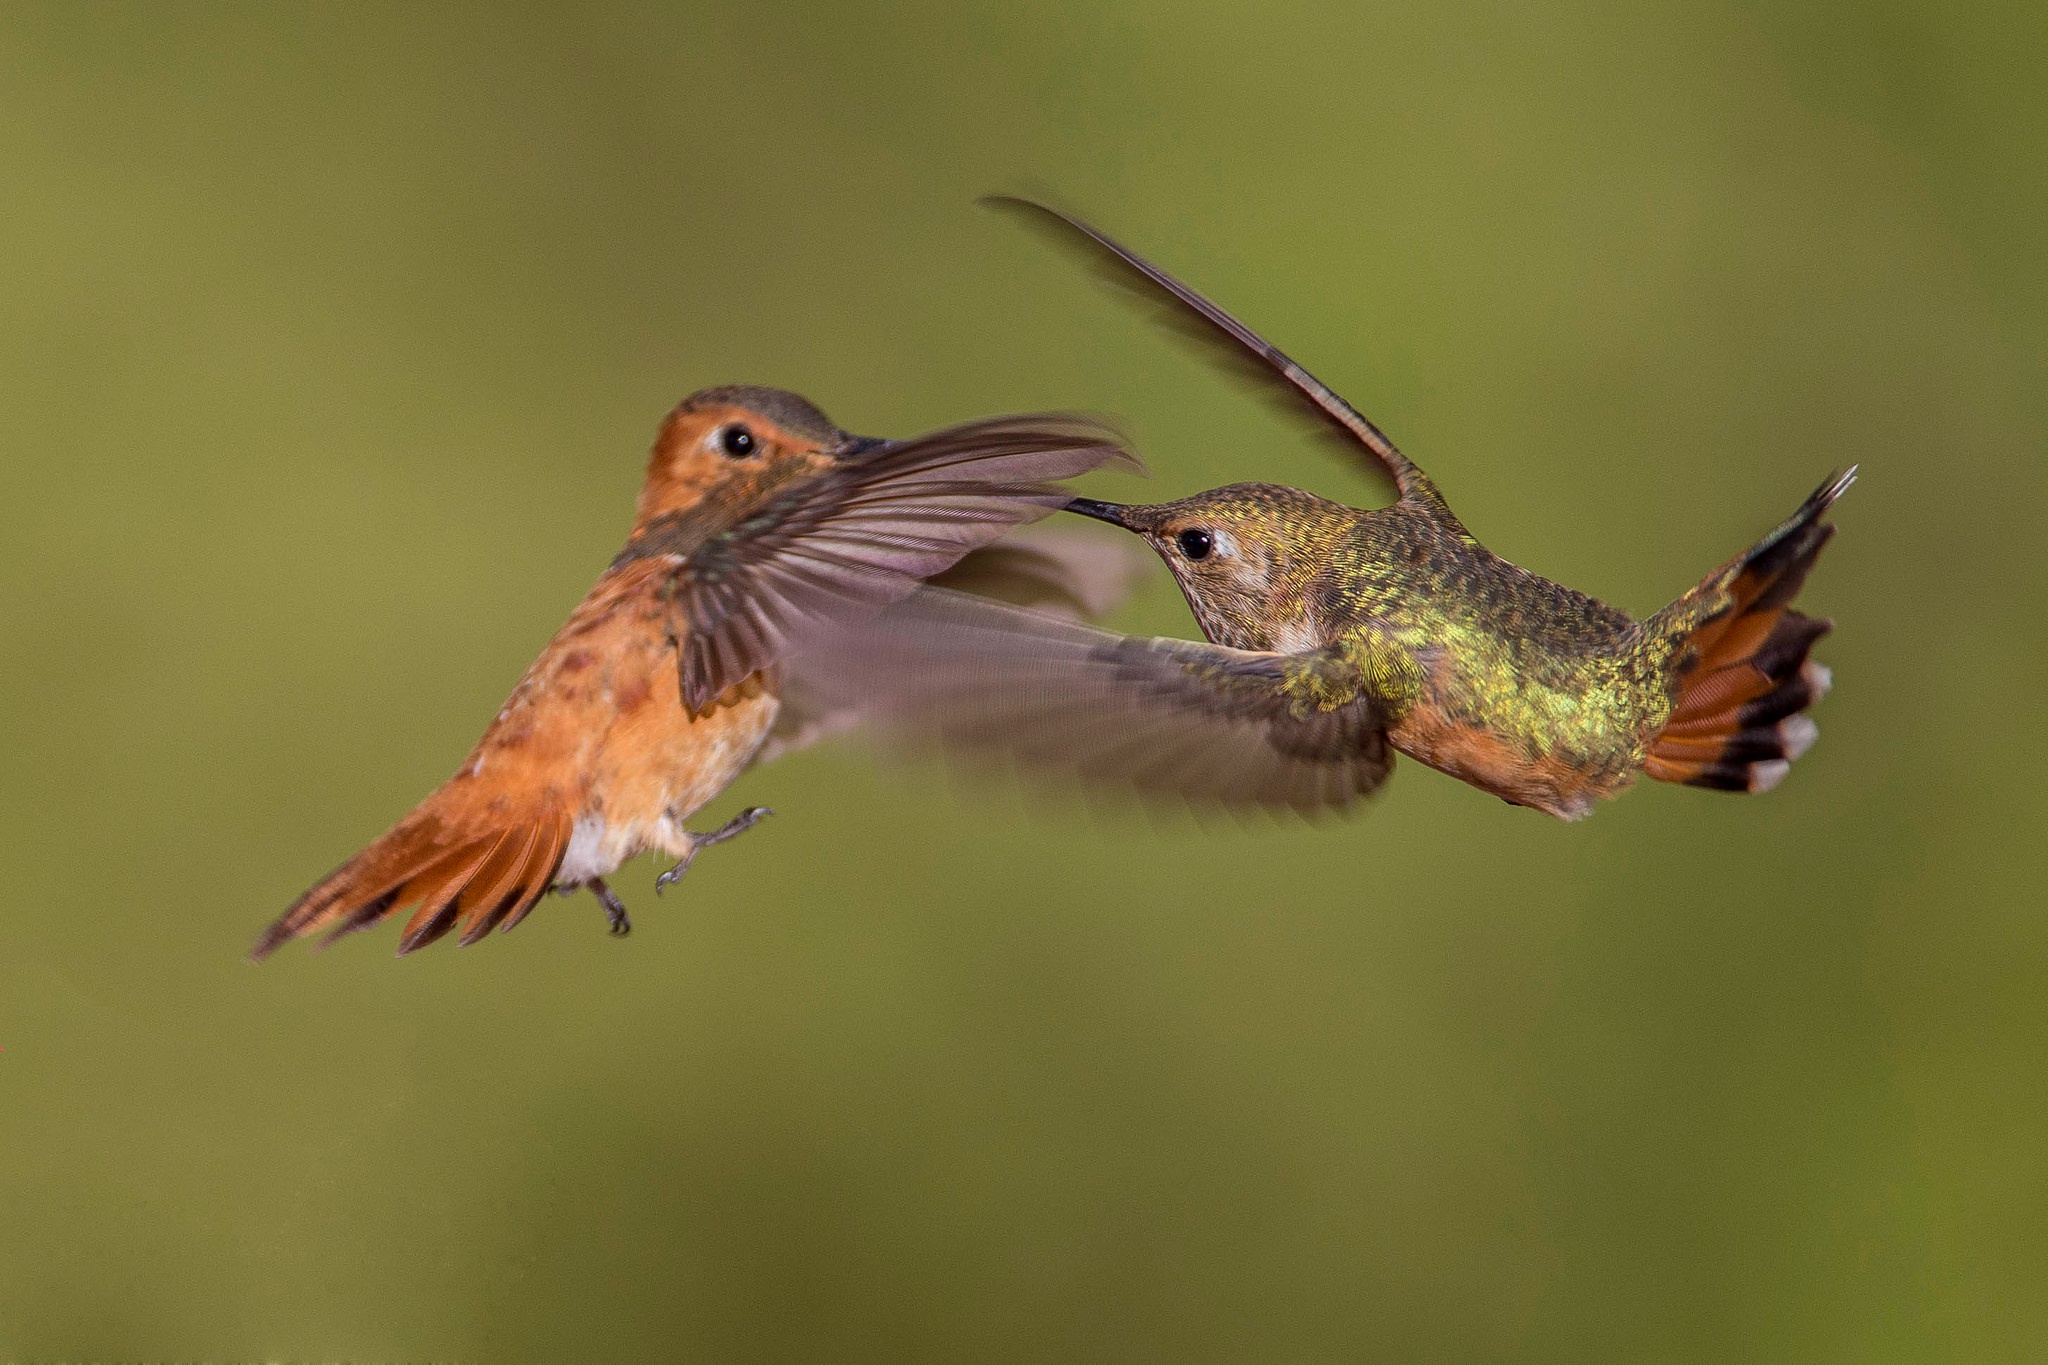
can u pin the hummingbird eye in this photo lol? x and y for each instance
(1195, 544)
(736, 441)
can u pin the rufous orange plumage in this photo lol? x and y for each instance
(759, 526)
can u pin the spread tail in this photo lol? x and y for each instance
(479, 879)
(1740, 674)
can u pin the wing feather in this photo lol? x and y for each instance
(1201, 721)
(1230, 345)
(838, 546)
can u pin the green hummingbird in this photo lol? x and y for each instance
(1338, 636)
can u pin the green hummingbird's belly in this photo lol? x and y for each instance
(1554, 733)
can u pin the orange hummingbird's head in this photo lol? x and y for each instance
(1243, 554)
(737, 438)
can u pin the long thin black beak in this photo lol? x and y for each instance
(1111, 512)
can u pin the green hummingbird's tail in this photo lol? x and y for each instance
(1741, 680)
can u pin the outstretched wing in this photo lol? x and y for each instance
(1076, 572)
(828, 549)
(1068, 572)
(942, 669)
(1229, 344)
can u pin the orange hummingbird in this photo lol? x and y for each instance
(759, 526)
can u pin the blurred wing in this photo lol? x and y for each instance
(833, 548)
(1229, 344)
(1075, 574)
(1301, 731)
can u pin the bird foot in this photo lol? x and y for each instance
(614, 908)
(739, 824)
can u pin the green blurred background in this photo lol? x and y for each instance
(330, 345)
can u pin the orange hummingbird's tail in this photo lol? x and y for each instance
(480, 880)
(1740, 675)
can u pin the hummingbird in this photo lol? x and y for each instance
(1336, 637)
(760, 525)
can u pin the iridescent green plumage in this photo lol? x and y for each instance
(1334, 630)
(1499, 646)
(1519, 684)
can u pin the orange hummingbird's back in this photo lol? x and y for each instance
(1740, 673)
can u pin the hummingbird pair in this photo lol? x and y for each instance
(784, 579)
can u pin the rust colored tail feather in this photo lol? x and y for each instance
(482, 881)
(1742, 676)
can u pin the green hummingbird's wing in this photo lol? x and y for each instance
(1234, 347)
(818, 553)
(981, 679)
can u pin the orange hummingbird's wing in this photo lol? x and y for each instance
(1234, 347)
(1299, 731)
(1073, 574)
(827, 550)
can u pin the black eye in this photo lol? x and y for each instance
(1195, 544)
(736, 441)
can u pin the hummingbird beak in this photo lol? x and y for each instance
(853, 446)
(1116, 514)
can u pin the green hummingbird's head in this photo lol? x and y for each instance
(1243, 555)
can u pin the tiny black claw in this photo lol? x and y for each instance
(674, 874)
(739, 824)
(614, 908)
